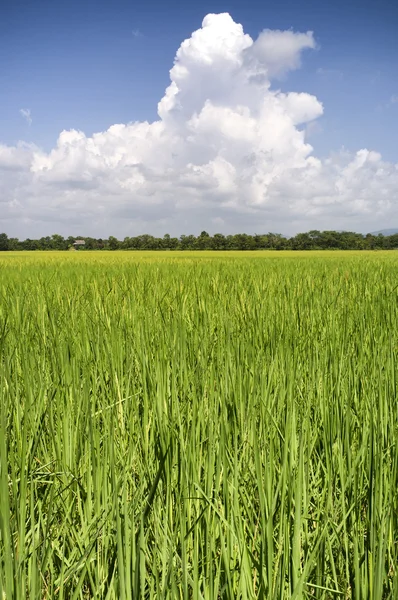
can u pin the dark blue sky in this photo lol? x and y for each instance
(87, 65)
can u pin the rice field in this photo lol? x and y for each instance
(198, 425)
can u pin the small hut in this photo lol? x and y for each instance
(79, 244)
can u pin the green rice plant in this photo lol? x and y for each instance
(198, 425)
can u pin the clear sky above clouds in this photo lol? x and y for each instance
(119, 119)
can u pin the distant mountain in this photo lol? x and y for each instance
(385, 232)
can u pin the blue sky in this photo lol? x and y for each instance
(87, 65)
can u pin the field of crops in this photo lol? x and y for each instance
(198, 425)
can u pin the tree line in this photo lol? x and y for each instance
(312, 240)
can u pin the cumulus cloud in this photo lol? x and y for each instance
(26, 114)
(228, 148)
(277, 52)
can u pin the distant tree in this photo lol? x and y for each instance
(391, 242)
(379, 241)
(29, 244)
(13, 244)
(126, 243)
(302, 241)
(113, 243)
(91, 243)
(148, 242)
(329, 240)
(58, 242)
(187, 242)
(4, 242)
(276, 241)
(203, 241)
(260, 242)
(45, 243)
(134, 243)
(219, 242)
(242, 241)
(166, 241)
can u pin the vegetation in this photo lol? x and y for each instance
(313, 240)
(202, 425)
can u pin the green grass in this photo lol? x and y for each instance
(198, 425)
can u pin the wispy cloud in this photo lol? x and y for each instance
(313, 128)
(26, 114)
(137, 33)
(391, 101)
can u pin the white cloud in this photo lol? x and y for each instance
(228, 148)
(26, 114)
(277, 52)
